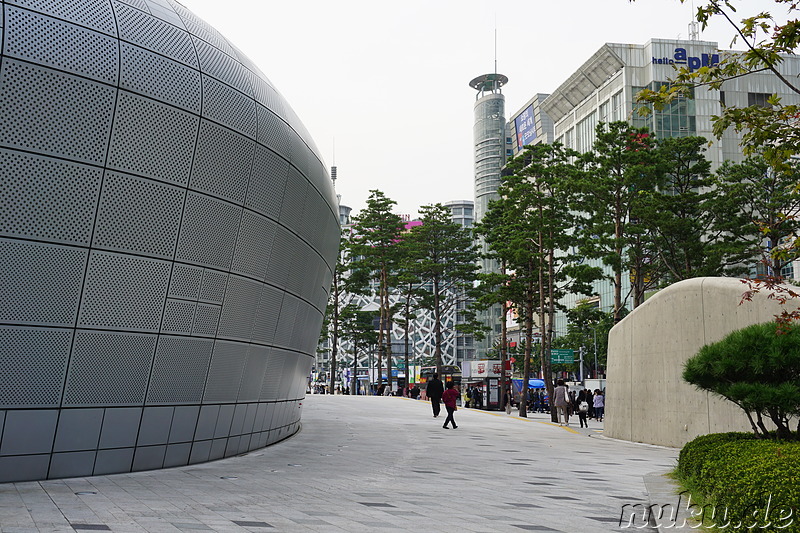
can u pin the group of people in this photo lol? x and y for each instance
(473, 397)
(586, 404)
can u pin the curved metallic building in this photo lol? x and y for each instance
(167, 236)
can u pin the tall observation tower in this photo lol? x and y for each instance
(489, 133)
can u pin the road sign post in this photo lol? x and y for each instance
(562, 355)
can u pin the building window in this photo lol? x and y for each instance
(603, 112)
(585, 133)
(722, 98)
(617, 108)
(759, 99)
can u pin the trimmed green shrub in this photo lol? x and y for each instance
(751, 484)
(693, 455)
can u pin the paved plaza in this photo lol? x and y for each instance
(368, 464)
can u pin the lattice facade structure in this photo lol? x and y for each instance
(421, 337)
(167, 238)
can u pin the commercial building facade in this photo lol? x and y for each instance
(604, 88)
(168, 233)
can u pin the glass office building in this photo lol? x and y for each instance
(603, 89)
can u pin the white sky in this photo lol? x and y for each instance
(385, 86)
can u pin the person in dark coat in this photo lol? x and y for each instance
(434, 391)
(450, 396)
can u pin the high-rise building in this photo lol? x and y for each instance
(604, 89)
(490, 140)
(463, 214)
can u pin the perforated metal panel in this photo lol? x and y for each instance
(272, 375)
(148, 209)
(298, 276)
(253, 245)
(239, 308)
(178, 317)
(221, 66)
(48, 199)
(138, 215)
(73, 122)
(138, 66)
(280, 258)
(287, 320)
(294, 198)
(179, 371)
(265, 93)
(33, 381)
(139, 4)
(109, 369)
(267, 316)
(213, 287)
(208, 232)
(225, 374)
(273, 132)
(185, 281)
(221, 152)
(267, 183)
(39, 284)
(206, 319)
(301, 154)
(152, 139)
(61, 45)
(164, 12)
(253, 376)
(142, 30)
(229, 107)
(123, 292)
(95, 14)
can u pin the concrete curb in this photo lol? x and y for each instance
(668, 507)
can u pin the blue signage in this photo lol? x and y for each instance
(681, 57)
(526, 127)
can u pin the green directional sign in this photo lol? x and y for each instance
(562, 355)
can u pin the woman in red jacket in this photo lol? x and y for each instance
(449, 398)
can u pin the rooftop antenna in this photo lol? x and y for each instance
(333, 167)
(694, 27)
(495, 43)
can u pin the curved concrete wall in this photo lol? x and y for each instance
(647, 400)
(167, 237)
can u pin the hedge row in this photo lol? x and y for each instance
(749, 484)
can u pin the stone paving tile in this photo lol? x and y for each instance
(495, 473)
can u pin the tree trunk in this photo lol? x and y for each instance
(335, 340)
(387, 317)
(354, 383)
(437, 326)
(551, 317)
(503, 349)
(407, 312)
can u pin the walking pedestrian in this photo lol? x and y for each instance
(449, 397)
(561, 402)
(583, 408)
(434, 391)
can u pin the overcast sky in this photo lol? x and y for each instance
(383, 87)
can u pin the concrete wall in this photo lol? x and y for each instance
(647, 400)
